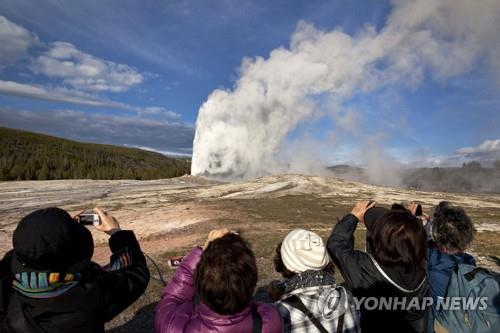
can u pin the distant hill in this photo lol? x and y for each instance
(471, 177)
(31, 156)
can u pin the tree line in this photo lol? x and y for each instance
(31, 156)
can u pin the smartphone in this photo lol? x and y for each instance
(89, 219)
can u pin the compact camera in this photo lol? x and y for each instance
(174, 262)
(89, 219)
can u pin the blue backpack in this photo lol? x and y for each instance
(477, 285)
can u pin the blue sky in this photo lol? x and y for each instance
(158, 61)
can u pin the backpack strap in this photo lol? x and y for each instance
(257, 321)
(456, 262)
(426, 320)
(295, 302)
(470, 276)
(340, 323)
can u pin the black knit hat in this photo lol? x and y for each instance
(50, 240)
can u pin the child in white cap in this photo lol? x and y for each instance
(308, 298)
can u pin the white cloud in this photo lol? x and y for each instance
(83, 71)
(486, 153)
(136, 131)
(488, 146)
(14, 42)
(82, 75)
(55, 95)
(79, 98)
(158, 111)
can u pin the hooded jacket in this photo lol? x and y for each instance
(77, 297)
(368, 279)
(177, 313)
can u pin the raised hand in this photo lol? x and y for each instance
(360, 209)
(214, 234)
(108, 223)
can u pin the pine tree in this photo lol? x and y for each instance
(25, 155)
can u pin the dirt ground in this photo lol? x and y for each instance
(171, 216)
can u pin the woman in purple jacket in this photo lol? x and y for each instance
(223, 274)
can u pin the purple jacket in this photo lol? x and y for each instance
(176, 312)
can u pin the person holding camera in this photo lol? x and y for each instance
(55, 286)
(223, 273)
(392, 269)
(450, 232)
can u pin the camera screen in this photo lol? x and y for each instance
(87, 219)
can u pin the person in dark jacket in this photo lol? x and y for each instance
(223, 273)
(55, 287)
(5, 288)
(392, 269)
(450, 233)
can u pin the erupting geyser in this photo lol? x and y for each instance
(240, 132)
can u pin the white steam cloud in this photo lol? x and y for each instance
(240, 132)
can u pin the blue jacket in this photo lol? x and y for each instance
(439, 268)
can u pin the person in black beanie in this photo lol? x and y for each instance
(53, 284)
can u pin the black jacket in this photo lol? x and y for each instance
(362, 275)
(100, 294)
(5, 287)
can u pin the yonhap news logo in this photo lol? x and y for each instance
(335, 303)
(420, 304)
(338, 302)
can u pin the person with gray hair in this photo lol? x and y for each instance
(309, 299)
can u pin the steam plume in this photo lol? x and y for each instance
(240, 132)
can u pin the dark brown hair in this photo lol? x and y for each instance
(280, 267)
(226, 275)
(399, 239)
(452, 229)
